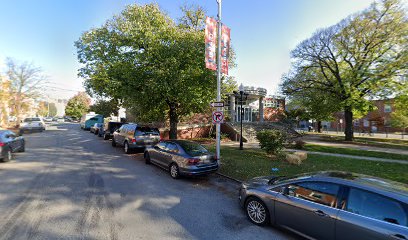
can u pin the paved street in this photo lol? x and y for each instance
(70, 184)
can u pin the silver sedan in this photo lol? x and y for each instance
(329, 205)
(181, 157)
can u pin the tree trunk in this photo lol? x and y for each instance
(173, 121)
(319, 126)
(348, 115)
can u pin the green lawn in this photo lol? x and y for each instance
(250, 163)
(375, 142)
(355, 152)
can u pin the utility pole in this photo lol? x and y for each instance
(218, 125)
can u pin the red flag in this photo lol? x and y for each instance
(225, 47)
(210, 43)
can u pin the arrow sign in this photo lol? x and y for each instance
(217, 104)
(217, 117)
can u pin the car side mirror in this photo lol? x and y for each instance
(285, 191)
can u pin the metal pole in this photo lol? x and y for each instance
(241, 144)
(218, 126)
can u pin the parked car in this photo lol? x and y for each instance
(88, 120)
(95, 128)
(181, 157)
(133, 136)
(109, 128)
(48, 119)
(9, 143)
(32, 124)
(329, 205)
(61, 120)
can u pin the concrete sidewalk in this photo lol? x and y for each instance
(256, 145)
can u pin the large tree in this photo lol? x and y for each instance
(26, 83)
(78, 105)
(355, 60)
(105, 107)
(150, 62)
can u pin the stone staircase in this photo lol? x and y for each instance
(250, 129)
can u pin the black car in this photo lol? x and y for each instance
(9, 143)
(329, 205)
(133, 136)
(109, 128)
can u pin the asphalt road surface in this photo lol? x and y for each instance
(70, 184)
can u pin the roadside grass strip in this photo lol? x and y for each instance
(249, 163)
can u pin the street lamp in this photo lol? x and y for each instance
(241, 94)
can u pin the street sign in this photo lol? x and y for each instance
(217, 104)
(217, 117)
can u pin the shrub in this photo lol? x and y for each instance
(296, 158)
(299, 144)
(271, 140)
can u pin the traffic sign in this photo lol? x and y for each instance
(217, 117)
(217, 104)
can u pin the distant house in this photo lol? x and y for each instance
(378, 120)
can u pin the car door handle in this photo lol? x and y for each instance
(320, 213)
(398, 236)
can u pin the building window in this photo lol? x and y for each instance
(387, 108)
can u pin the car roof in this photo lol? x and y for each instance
(358, 180)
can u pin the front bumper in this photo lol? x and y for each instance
(242, 195)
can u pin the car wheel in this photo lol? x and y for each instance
(105, 137)
(147, 157)
(8, 156)
(113, 142)
(22, 149)
(257, 211)
(126, 148)
(174, 171)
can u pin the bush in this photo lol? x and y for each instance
(296, 158)
(299, 144)
(271, 140)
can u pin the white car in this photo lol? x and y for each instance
(48, 119)
(32, 124)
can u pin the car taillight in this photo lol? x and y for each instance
(193, 161)
(2, 144)
(133, 140)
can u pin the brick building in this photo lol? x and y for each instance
(378, 120)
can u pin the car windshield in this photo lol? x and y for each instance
(32, 120)
(193, 148)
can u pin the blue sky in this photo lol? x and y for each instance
(262, 31)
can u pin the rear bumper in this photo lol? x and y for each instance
(32, 128)
(141, 146)
(199, 170)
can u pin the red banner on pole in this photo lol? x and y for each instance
(210, 43)
(225, 47)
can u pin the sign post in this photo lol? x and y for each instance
(218, 126)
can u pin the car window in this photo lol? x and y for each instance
(121, 128)
(32, 120)
(11, 134)
(93, 119)
(171, 147)
(318, 192)
(140, 131)
(376, 206)
(192, 148)
(162, 145)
